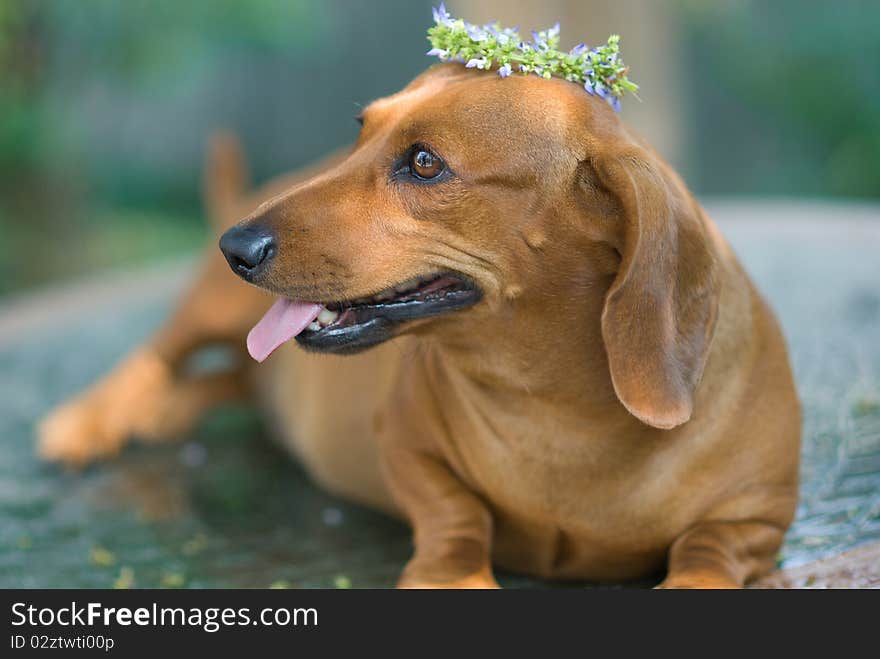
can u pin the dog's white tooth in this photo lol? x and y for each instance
(326, 316)
(314, 325)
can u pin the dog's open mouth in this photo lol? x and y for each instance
(354, 325)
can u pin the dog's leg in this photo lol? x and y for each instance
(722, 554)
(149, 394)
(189, 399)
(452, 527)
(138, 398)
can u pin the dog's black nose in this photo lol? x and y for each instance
(248, 250)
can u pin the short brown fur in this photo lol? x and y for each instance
(620, 400)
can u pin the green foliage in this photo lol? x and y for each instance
(140, 39)
(796, 83)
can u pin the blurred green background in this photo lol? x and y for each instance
(106, 105)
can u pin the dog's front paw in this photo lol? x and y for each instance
(697, 581)
(482, 580)
(73, 434)
(97, 423)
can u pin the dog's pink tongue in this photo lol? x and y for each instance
(282, 322)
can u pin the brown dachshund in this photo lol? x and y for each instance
(561, 367)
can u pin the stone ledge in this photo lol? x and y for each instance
(856, 568)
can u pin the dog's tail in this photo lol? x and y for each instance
(225, 181)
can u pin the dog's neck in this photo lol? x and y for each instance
(549, 348)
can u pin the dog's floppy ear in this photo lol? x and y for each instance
(660, 311)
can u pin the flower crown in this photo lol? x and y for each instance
(600, 70)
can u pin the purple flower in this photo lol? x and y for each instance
(553, 32)
(614, 101)
(438, 52)
(441, 16)
(600, 90)
(539, 41)
(505, 70)
(578, 50)
(476, 33)
(588, 86)
(476, 63)
(506, 35)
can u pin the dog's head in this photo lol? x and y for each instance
(467, 197)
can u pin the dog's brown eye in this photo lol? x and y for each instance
(425, 165)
